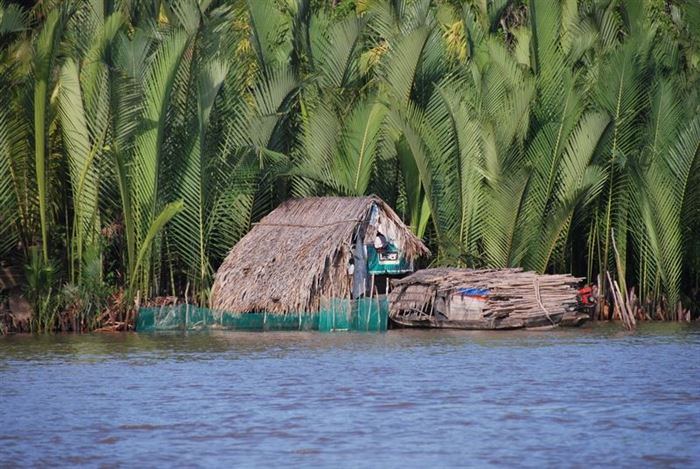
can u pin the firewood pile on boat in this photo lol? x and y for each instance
(485, 299)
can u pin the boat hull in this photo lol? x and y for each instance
(572, 319)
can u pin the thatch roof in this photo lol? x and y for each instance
(512, 292)
(300, 252)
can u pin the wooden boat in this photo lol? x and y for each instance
(484, 299)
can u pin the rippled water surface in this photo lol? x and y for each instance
(593, 396)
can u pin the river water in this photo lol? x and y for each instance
(595, 396)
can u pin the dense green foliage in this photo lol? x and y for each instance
(139, 140)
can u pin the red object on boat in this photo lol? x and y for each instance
(586, 296)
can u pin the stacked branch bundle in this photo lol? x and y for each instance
(512, 293)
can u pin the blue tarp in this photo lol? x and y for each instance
(473, 291)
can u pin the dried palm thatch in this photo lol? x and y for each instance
(515, 298)
(300, 252)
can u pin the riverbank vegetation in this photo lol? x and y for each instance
(139, 140)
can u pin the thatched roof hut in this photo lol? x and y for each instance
(305, 250)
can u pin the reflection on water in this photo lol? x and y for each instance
(593, 396)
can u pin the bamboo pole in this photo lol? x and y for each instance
(371, 293)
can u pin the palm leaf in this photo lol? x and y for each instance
(188, 229)
(12, 132)
(268, 37)
(46, 49)
(576, 182)
(13, 19)
(157, 225)
(402, 64)
(81, 155)
(623, 101)
(359, 145)
(148, 151)
(334, 51)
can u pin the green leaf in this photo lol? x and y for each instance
(168, 212)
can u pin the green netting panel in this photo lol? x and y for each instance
(335, 315)
(364, 314)
(371, 314)
(190, 317)
(242, 322)
(177, 317)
